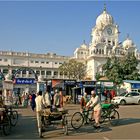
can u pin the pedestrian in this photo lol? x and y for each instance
(94, 102)
(39, 107)
(83, 102)
(26, 98)
(33, 105)
(61, 99)
(47, 100)
(113, 93)
(56, 99)
(108, 97)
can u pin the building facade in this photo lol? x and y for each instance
(104, 43)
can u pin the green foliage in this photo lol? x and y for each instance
(119, 69)
(73, 69)
(98, 76)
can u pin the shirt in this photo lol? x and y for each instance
(56, 99)
(47, 99)
(94, 102)
(83, 102)
(39, 103)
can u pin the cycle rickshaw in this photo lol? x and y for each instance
(109, 113)
(8, 118)
(56, 117)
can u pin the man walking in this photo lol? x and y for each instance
(39, 107)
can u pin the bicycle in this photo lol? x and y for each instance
(13, 116)
(108, 112)
(5, 122)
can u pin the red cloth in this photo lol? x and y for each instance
(113, 94)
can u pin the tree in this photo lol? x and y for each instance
(98, 76)
(119, 69)
(129, 68)
(73, 69)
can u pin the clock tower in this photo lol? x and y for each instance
(105, 30)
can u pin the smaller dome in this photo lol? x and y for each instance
(127, 43)
(84, 46)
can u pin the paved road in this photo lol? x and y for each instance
(128, 128)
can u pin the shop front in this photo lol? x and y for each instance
(60, 84)
(81, 87)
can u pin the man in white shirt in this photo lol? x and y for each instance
(56, 101)
(95, 103)
(39, 107)
(47, 100)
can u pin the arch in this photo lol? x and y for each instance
(24, 69)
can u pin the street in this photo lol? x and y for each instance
(128, 127)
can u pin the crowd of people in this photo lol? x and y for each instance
(37, 101)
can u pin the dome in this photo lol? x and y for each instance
(104, 19)
(84, 46)
(127, 43)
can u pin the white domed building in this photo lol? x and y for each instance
(104, 43)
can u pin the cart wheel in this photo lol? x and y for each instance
(6, 126)
(65, 124)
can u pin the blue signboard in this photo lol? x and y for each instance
(24, 81)
(82, 84)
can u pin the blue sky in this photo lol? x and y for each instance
(61, 26)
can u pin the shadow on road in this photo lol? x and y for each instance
(127, 121)
(53, 133)
(89, 129)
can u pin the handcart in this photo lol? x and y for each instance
(57, 117)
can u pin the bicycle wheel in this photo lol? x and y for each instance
(77, 120)
(103, 115)
(6, 126)
(13, 118)
(114, 117)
